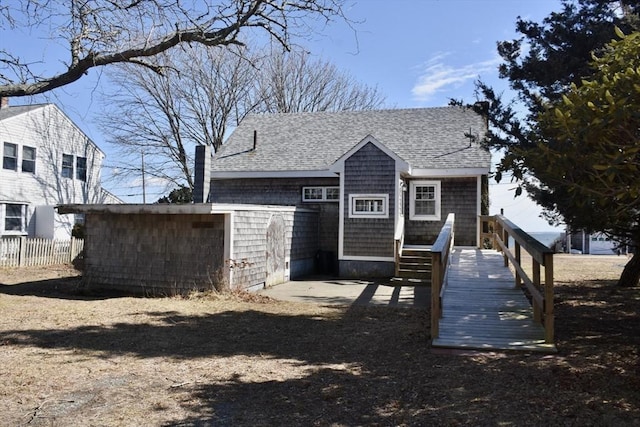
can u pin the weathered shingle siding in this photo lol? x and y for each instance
(283, 191)
(369, 171)
(458, 195)
(266, 191)
(250, 244)
(153, 254)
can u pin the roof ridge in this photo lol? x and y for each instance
(382, 110)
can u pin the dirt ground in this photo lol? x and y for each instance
(70, 358)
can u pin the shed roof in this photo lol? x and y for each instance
(171, 209)
(426, 138)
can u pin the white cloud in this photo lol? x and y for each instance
(439, 76)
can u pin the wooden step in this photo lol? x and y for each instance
(413, 274)
(404, 281)
(414, 267)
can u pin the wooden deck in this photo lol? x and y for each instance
(482, 310)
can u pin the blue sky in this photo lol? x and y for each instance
(419, 53)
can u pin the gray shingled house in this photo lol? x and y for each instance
(290, 194)
(374, 177)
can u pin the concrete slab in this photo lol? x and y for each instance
(350, 292)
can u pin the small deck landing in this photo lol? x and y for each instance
(482, 310)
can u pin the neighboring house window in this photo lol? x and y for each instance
(13, 218)
(320, 194)
(10, 156)
(28, 159)
(81, 168)
(425, 201)
(368, 206)
(67, 166)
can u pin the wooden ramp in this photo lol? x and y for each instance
(482, 310)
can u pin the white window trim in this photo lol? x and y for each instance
(23, 220)
(35, 159)
(17, 157)
(412, 207)
(324, 194)
(380, 215)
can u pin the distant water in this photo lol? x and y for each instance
(545, 237)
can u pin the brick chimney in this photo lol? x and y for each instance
(4, 102)
(201, 181)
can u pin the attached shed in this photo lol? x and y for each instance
(173, 249)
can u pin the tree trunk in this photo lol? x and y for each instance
(631, 274)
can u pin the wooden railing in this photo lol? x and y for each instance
(440, 255)
(399, 242)
(26, 252)
(497, 230)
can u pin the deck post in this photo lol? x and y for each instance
(537, 314)
(505, 241)
(519, 262)
(548, 298)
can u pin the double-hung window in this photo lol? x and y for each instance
(14, 217)
(67, 166)
(10, 156)
(368, 206)
(81, 168)
(425, 201)
(28, 159)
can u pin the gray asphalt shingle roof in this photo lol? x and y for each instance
(426, 138)
(12, 111)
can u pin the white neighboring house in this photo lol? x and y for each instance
(46, 160)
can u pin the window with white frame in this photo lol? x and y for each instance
(67, 166)
(14, 217)
(81, 168)
(320, 194)
(10, 156)
(368, 206)
(28, 159)
(425, 201)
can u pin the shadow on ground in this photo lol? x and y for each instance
(370, 366)
(70, 288)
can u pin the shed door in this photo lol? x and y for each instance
(275, 251)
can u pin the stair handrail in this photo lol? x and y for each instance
(399, 242)
(440, 255)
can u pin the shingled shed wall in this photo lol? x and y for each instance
(250, 244)
(458, 195)
(153, 253)
(163, 250)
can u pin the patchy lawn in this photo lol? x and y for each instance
(72, 359)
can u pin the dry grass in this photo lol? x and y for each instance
(72, 359)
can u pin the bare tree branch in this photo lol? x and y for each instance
(103, 32)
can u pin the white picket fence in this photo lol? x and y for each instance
(25, 252)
